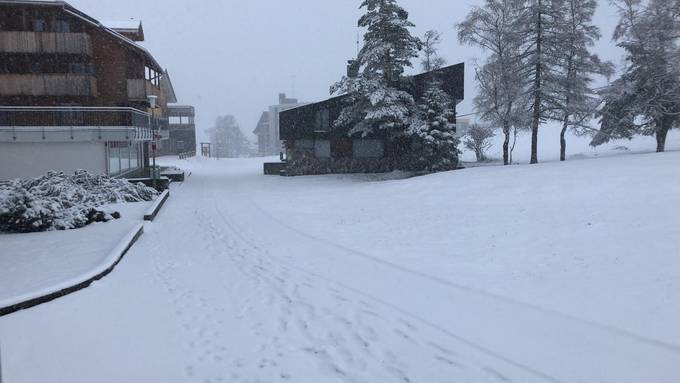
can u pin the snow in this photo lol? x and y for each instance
(123, 24)
(36, 264)
(555, 272)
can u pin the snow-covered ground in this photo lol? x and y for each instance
(40, 262)
(548, 273)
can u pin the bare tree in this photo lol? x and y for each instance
(431, 59)
(496, 27)
(228, 139)
(575, 100)
(478, 139)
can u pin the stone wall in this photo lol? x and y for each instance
(305, 163)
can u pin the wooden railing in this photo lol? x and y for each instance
(48, 85)
(45, 42)
(139, 89)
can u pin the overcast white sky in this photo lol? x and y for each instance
(235, 56)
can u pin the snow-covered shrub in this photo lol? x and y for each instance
(60, 202)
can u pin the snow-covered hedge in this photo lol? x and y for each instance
(59, 201)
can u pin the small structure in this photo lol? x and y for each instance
(314, 146)
(182, 130)
(268, 127)
(206, 149)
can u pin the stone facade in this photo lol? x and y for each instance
(306, 163)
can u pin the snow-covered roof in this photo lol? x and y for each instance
(131, 24)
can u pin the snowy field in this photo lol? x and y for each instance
(548, 273)
(35, 263)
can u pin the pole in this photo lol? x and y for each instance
(153, 154)
(0, 363)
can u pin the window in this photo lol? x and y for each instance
(77, 68)
(123, 157)
(304, 144)
(81, 68)
(36, 67)
(175, 120)
(61, 26)
(341, 148)
(39, 25)
(368, 148)
(134, 156)
(322, 149)
(114, 159)
(322, 120)
(179, 145)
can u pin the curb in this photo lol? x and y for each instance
(72, 286)
(153, 211)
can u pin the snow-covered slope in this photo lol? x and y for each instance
(548, 273)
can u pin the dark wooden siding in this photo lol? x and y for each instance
(303, 122)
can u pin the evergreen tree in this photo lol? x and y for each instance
(375, 102)
(434, 131)
(575, 100)
(646, 98)
(498, 27)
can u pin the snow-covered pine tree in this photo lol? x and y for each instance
(434, 131)
(575, 101)
(375, 102)
(646, 98)
(502, 101)
(431, 59)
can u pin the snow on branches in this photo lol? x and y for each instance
(61, 202)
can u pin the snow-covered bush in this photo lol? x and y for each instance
(61, 202)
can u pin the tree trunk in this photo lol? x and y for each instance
(506, 144)
(514, 143)
(563, 139)
(538, 83)
(661, 134)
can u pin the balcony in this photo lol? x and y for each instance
(48, 85)
(139, 89)
(64, 124)
(45, 42)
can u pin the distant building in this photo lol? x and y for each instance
(74, 93)
(262, 133)
(314, 146)
(182, 130)
(267, 131)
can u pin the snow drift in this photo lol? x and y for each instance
(58, 201)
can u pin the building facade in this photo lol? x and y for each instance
(75, 94)
(182, 130)
(314, 146)
(268, 128)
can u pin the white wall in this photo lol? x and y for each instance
(23, 160)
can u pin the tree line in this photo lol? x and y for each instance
(540, 68)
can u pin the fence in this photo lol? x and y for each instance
(187, 155)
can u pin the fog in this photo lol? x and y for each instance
(234, 57)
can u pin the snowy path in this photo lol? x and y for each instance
(220, 290)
